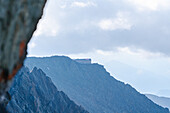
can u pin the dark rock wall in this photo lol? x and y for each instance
(18, 21)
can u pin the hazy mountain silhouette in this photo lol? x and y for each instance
(162, 101)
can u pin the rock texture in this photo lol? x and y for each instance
(18, 21)
(34, 92)
(91, 86)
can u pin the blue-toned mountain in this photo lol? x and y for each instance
(91, 86)
(34, 92)
(163, 101)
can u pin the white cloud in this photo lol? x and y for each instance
(63, 6)
(139, 72)
(127, 55)
(139, 52)
(31, 45)
(152, 5)
(120, 22)
(48, 27)
(82, 4)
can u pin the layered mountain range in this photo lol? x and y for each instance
(91, 86)
(34, 92)
(162, 101)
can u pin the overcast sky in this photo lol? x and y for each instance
(130, 37)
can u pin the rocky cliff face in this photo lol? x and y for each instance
(18, 20)
(34, 92)
(91, 86)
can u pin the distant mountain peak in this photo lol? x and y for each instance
(93, 87)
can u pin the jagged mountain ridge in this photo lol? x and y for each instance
(34, 92)
(91, 86)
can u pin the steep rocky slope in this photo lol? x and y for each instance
(91, 86)
(18, 21)
(34, 92)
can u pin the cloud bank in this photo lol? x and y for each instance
(80, 26)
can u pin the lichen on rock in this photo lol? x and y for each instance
(18, 21)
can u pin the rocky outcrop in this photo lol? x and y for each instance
(34, 92)
(18, 21)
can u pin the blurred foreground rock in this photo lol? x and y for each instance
(18, 21)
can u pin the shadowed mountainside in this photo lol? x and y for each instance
(34, 92)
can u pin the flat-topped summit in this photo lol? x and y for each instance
(84, 61)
